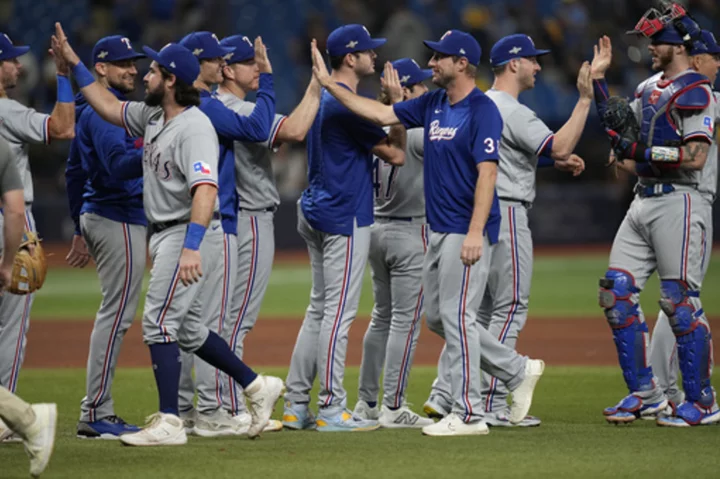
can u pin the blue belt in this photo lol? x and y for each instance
(658, 189)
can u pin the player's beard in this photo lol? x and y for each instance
(121, 86)
(155, 97)
(443, 79)
(664, 59)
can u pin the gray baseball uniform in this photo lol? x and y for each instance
(19, 125)
(398, 241)
(179, 155)
(505, 304)
(663, 348)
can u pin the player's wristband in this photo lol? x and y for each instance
(544, 161)
(64, 90)
(82, 75)
(194, 236)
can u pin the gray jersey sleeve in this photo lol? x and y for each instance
(527, 131)
(416, 143)
(700, 124)
(246, 108)
(135, 117)
(198, 159)
(23, 124)
(9, 174)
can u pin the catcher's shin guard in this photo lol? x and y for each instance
(694, 346)
(630, 332)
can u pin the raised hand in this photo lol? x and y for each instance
(391, 84)
(61, 48)
(261, 56)
(574, 164)
(319, 69)
(584, 82)
(602, 57)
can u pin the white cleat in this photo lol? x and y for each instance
(502, 419)
(364, 411)
(452, 425)
(243, 420)
(189, 418)
(262, 395)
(40, 437)
(216, 424)
(523, 394)
(5, 431)
(161, 430)
(402, 418)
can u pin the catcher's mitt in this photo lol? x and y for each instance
(29, 267)
(620, 122)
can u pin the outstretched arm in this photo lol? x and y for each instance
(296, 125)
(567, 138)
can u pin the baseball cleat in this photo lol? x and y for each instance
(632, 407)
(402, 418)
(502, 419)
(342, 420)
(298, 417)
(691, 414)
(216, 424)
(161, 430)
(364, 411)
(434, 407)
(262, 395)
(40, 437)
(452, 425)
(5, 431)
(523, 394)
(109, 428)
(243, 420)
(189, 417)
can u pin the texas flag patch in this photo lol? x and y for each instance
(202, 168)
(708, 122)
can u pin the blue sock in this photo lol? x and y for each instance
(372, 404)
(216, 352)
(166, 366)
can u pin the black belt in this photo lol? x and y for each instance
(270, 209)
(526, 204)
(658, 189)
(158, 227)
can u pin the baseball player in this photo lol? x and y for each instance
(35, 424)
(104, 187)
(334, 218)
(211, 420)
(398, 241)
(258, 200)
(20, 125)
(463, 128)
(663, 353)
(666, 226)
(180, 171)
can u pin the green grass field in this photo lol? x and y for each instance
(572, 442)
(561, 287)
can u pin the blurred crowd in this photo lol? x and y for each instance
(569, 28)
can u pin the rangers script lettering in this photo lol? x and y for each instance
(438, 133)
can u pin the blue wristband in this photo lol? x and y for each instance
(64, 90)
(194, 236)
(544, 161)
(82, 75)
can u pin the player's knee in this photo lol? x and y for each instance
(617, 298)
(677, 304)
(435, 325)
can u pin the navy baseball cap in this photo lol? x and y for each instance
(114, 49)
(667, 36)
(205, 45)
(178, 60)
(409, 72)
(706, 44)
(8, 51)
(244, 49)
(457, 43)
(351, 38)
(514, 46)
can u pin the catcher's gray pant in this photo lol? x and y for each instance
(174, 312)
(119, 252)
(14, 323)
(215, 306)
(338, 265)
(663, 348)
(397, 252)
(255, 253)
(503, 311)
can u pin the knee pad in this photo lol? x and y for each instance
(675, 303)
(616, 298)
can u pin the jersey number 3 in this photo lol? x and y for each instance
(383, 191)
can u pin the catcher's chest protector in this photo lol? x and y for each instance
(660, 124)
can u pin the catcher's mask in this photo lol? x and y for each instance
(653, 21)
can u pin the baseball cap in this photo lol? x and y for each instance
(455, 42)
(114, 48)
(706, 44)
(514, 46)
(176, 59)
(244, 49)
(409, 72)
(351, 38)
(8, 51)
(204, 45)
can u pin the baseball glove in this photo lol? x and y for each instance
(621, 126)
(29, 266)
